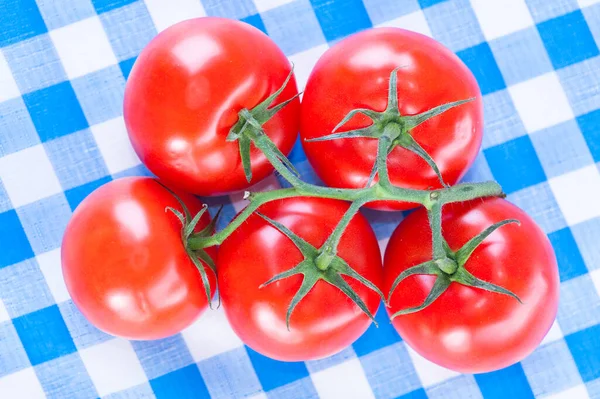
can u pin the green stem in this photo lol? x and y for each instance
(435, 222)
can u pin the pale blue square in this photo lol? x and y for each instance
(579, 305)
(586, 236)
(142, 391)
(539, 203)
(551, 369)
(13, 354)
(83, 332)
(34, 63)
(461, 387)
(591, 15)
(23, 288)
(581, 82)
(385, 10)
(314, 366)
(76, 159)
(45, 221)
(390, 371)
(159, 357)
(5, 203)
(454, 24)
(383, 223)
(521, 55)
(129, 29)
(593, 388)
(58, 13)
(101, 94)
(293, 27)
(479, 171)
(298, 389)
(17, 129)
(54, 374)
(561, 148)
(501, 119)
(238, 379)
(542, 10)
(229, 9)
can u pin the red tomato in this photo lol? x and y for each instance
(325, 321)
(468, 329)
(125, 265)
(355, 73)
(183, 96)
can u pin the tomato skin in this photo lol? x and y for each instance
(125, 265)
(355, 73)
(183, 96)
(468, 329)
(325, 321)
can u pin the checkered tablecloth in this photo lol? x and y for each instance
(63, 66)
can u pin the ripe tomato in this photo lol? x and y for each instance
(325, 321)
(183, 96)
(125, 265)
(355, 73)
(469, 329)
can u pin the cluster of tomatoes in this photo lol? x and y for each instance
(126, 262)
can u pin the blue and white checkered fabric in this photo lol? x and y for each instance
(63, 66)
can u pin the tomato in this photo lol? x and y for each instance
(325, 321)
(183, 95)
(354, 73)
(125, 265)
(468, 329)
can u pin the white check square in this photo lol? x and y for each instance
(501, 18)
(577, 392)
(265, 5)
(8, 86)
(113, 142)
(113, 366)
(587, 3)
(200, 340)
(50, 265)
(541, 102)
(167, 13)
(577, 194)
(83, 47)
(553, 335)
(23, 383)
(351, 372)
(414, 21)
(304, 63)
(28, 176)
(429, 373)
(4, 316)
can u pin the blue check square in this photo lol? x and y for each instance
(53, 11)
(273, 374)
(515, 158)
(55, 111)
(126, 66)
(453, 23)
(590, 128)
(107, 5)
(129, 29)
(570, 262)
(383, 11)
(54, 373)
(521, 55)
(100, 94)
(542, 10)
(341, 18)
(514, 384)
(377, 337)
(24, 288)
(568, 39)
(20, 131)
(237, 379)
(15, 246)
(45, 221)
(482, 63)
(13, 356)
(162, 356)
(20, 20)
(76, 159)
(417, 394)
(35, 63)
(585, 347)
(390, 371)
(44, 335)
(77, 194)
(256, 21)
(294, 27)
(585, 235)
(429, 3)
(185, 383)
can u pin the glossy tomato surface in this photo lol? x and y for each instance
(469, 329)
(325, 321)
(184, 93)
(354, 73)
(125, 265)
